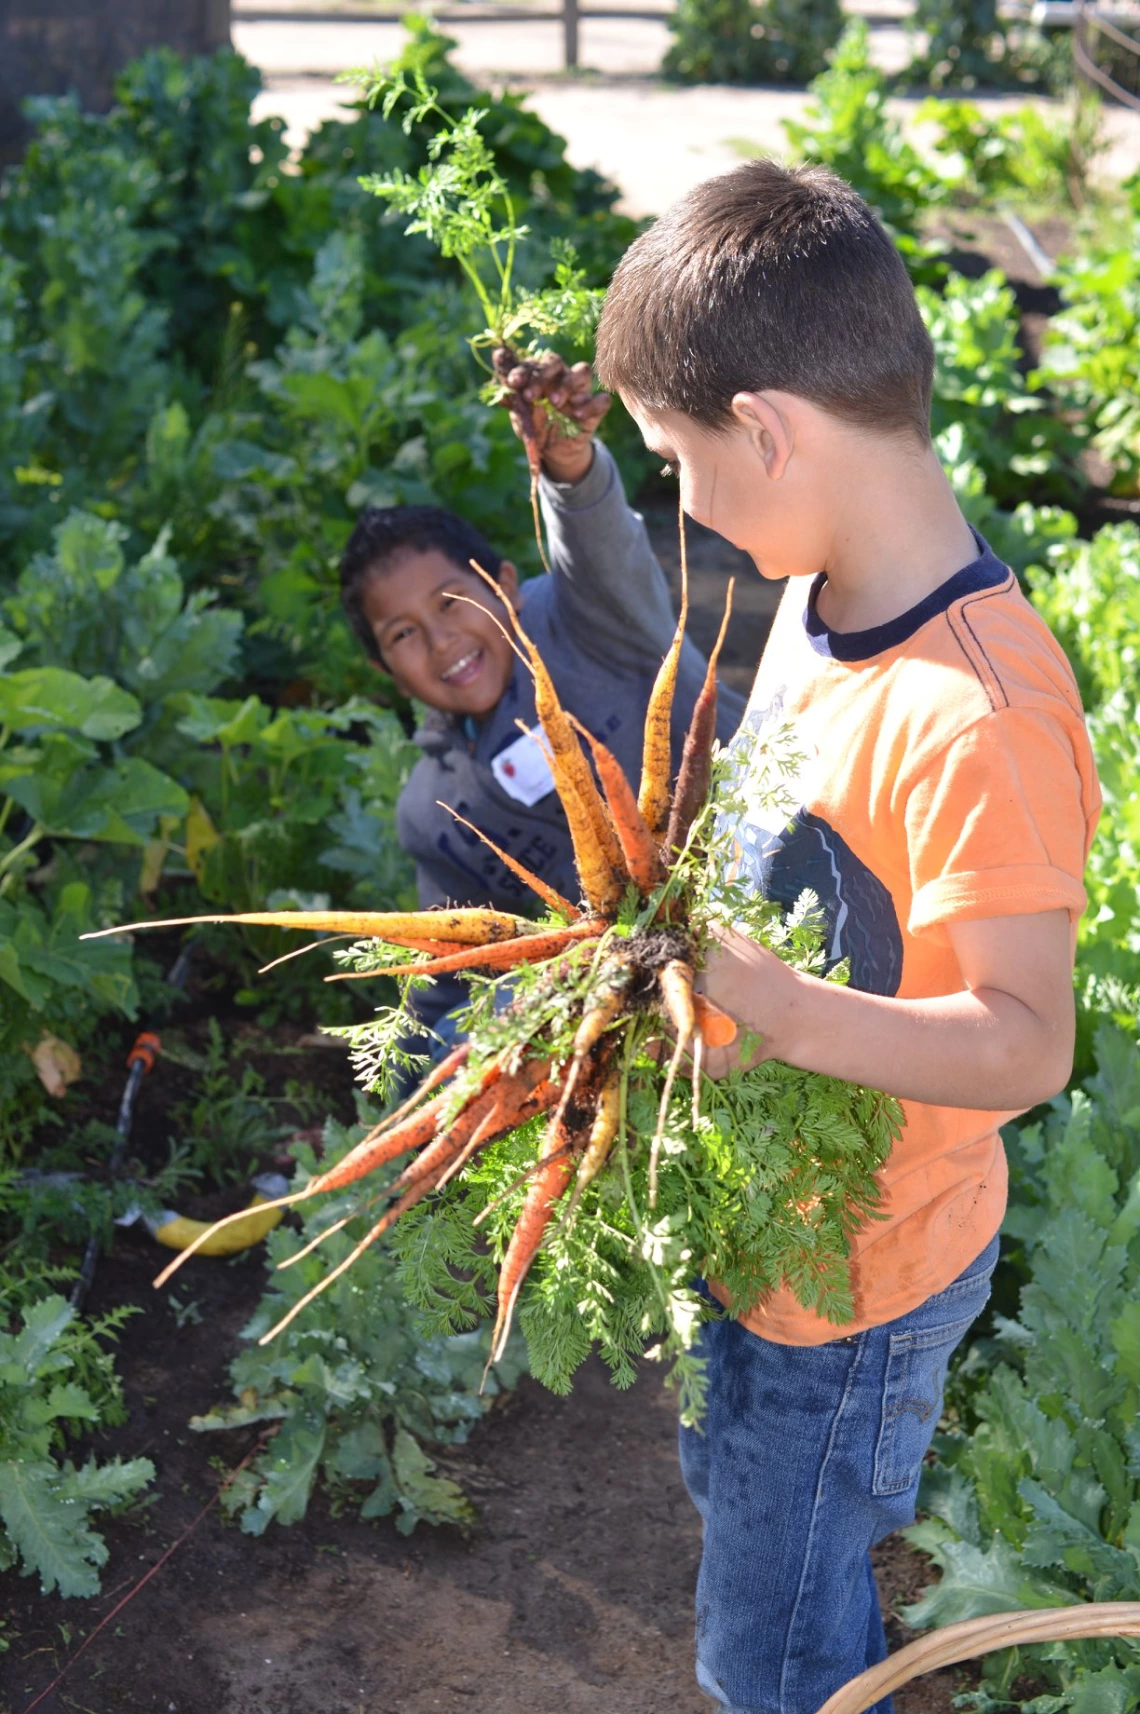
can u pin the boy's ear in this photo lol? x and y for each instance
(768, 428)
(508, 582)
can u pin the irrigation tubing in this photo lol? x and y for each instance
(141, 1058)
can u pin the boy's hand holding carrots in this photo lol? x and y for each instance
(566, 457)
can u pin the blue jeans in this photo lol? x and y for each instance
(807, 1457)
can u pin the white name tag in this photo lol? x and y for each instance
(523, 771)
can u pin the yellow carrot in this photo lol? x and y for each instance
(675, 980)
(597, 851)
(657, 751)
(602, 1132)
(467, 927)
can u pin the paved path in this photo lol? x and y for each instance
(654, 141)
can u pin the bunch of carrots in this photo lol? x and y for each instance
(619, 965)
(621, 843)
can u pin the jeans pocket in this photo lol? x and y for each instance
(912, 1401)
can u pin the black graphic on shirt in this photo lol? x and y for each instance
(857, 908)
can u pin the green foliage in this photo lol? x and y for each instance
(1028, 155)
(1091, 354)
(271, 788)
(356, 1390)
(751, 41)
(1089, 595)
(462, 203)
(971, 42)
(55, 1380)
(1035, 1499)
(979, 386)
(231, 1119)
(69, 220)
(1021, 538)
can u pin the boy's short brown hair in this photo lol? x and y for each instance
(769, 277)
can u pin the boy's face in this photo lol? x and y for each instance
(438, 630)
(752, 482)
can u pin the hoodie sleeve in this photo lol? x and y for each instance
(609, 590)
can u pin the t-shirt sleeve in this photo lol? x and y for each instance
(1001, 824)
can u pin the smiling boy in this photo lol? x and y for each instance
(601, 618)
(766, 338)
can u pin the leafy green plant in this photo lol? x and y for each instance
(1023, 156)
(269, 789)
(355, 1387)
(1009, 430)
(69, 220)
(971, 42)
(54, 1380)
(461, 202)
(1035, 1498)
(60, 779)
(1088, 594)
(751, 41)
(1022, 538)
(231, 1119)
(1091, 350)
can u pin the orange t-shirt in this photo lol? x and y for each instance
(946, 775)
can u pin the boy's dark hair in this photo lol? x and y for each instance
(382, 532)
(769, 277)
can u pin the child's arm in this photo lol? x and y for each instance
(609, 591)
(1003, 1045)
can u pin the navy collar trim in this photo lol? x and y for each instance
(985, 572)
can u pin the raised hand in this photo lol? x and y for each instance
(569, 391)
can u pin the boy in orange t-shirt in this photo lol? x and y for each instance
(766, 338)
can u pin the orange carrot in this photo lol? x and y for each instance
(501, 1107)
(466, 927)
(597, 852)
(528, 949)
(639, 848)
(376, 1151)
(695, 774)
(714, 1026)
(547, 1187)
(547, 894)
(459, 1141)
(657, 752)
(540, 1100)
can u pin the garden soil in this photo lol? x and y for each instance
(574, 1593)
(572, 1596)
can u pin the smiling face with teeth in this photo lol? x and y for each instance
(436, 644)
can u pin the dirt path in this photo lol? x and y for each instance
(574, 1596)
(653, 140)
